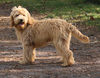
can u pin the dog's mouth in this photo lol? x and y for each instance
(21, 23)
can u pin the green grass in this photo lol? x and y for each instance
(78, 13)
(70, 10)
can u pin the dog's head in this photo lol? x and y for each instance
(20, 17)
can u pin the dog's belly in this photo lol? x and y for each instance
(42, 42)
(42, 45)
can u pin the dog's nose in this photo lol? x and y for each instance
(21, 20)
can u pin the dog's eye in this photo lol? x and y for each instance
(16, 15)
(23, 15)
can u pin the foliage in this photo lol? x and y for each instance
(73, 11)
(94, 1)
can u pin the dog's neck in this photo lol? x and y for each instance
(19, 32)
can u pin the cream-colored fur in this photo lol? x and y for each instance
(36, 33)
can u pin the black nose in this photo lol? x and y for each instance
(21, 20)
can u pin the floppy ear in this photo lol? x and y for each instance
(12, 21)
(11, 17)
(30, 19)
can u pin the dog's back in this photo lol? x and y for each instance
(63, 25)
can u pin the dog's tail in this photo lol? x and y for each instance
(77, 34)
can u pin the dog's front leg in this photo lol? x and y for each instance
(28, 55)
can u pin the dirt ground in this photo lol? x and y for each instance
(87, 56)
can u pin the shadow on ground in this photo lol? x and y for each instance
(47, 65)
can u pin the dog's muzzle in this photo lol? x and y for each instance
(21, 22)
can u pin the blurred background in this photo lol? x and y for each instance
(86, 12)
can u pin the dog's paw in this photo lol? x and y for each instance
(25, 62)
(64, 65)
(68, 64)
(71, 61)
(22, 62)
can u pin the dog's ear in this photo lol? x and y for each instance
(14, 8)
(12, 21)
(11, 16)
(30, 19)
(19, 6)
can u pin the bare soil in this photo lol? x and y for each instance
(47, 65)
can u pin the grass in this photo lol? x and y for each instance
(79, 13)
(72, 11)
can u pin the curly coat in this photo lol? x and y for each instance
(36, 33)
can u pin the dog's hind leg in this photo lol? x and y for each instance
(62, 46)
(67, 55)
(28, 55)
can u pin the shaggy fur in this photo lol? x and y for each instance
(36, 33)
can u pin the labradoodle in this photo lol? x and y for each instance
(36, 33)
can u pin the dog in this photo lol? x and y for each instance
(37, 33)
